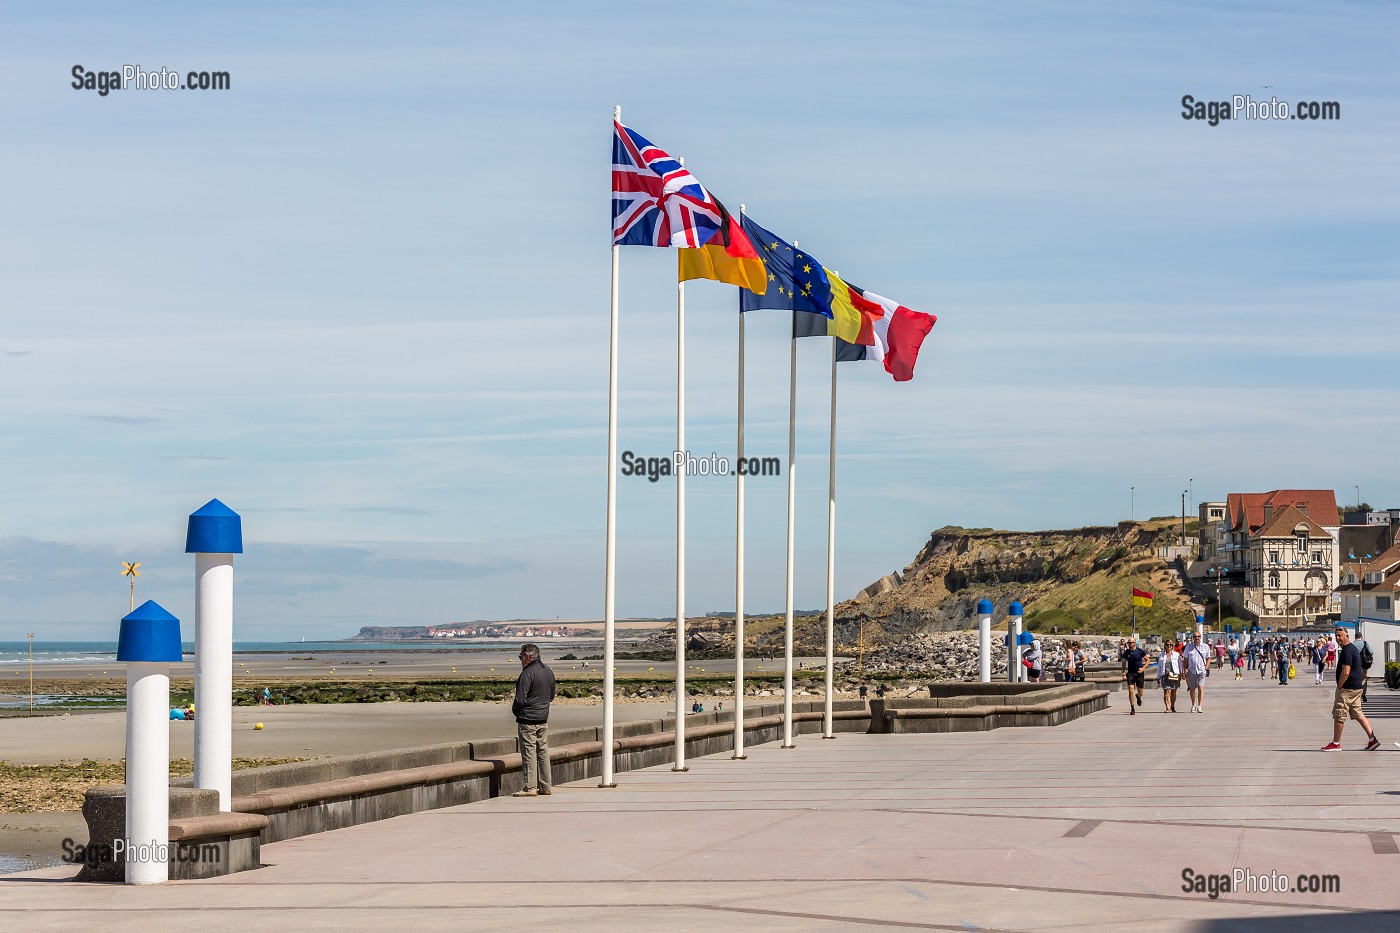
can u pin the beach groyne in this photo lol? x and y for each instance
(279, 802)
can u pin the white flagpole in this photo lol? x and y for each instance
(610, 547)
(739, 556)
(831, 554)
(680, 526)
(791, 512)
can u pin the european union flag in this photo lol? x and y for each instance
(796, 281)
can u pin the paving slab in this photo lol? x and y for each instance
(1087, 826)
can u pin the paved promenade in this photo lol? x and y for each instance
(1087, 826)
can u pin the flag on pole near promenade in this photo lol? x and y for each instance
(1141, 597)
(885, 331)
(729, 257)
(848, 322)
(796, 281)
(898, 334)
(656, 202)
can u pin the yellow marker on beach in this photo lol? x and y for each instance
(130, 572)
(257, 727)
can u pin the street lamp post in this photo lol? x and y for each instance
(30, 636)
(1132, 503)
(1183, 518)
(1219, 574)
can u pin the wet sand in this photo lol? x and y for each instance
(254, 669)
(302, 730)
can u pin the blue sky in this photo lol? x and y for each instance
(362, 296)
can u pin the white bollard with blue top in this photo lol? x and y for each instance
(984, 641)
(149, 642)
(214, 535)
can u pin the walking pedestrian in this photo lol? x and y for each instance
(1281, 659)
(1351, 676)
(1319, 659)
(1197, 659)
(1169, 673)
(534, 691)
(1134, 660)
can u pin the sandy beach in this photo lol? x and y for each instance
(305, 730)
(296, 731)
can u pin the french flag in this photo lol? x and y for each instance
(890, 333)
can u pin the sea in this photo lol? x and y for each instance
(56, 652)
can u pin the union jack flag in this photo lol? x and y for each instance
(656, 202)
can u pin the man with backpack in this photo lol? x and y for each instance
(1351, 677)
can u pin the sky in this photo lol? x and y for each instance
(362, 295)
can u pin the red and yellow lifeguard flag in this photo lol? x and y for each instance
(1141, 597)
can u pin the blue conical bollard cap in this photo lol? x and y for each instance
(214, 529)
(985, 608)
(149, 633)
(1015, 609)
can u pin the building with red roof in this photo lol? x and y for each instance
(1281, 555)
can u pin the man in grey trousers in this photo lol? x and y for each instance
(534, 691)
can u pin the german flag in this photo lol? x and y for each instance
(728, 257)
(1141, 597)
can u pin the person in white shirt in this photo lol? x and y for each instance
(1169, 673)
(1197, 659)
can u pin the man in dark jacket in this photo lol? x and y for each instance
(534, 691)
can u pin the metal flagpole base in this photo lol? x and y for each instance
(680, 769)
(828, 736)
(606, 785)
(738, 757)
(787, 746)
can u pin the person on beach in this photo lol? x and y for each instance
(1319, 659)
(1233, 651)
(1169, 673)
(1351, 677)
(1197, 660)
(534, 691)
(1134, 660)
(1282, 660)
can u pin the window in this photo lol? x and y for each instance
(1383, 603)
(1317, 557)
(1273, 579)
(1273, 557)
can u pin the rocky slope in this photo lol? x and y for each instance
(958, 567)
